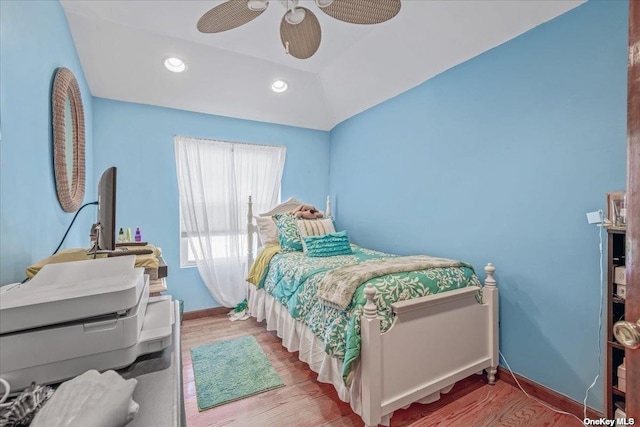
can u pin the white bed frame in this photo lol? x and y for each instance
(434, 341)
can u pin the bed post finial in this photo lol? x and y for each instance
(490, 282)
(370, 308)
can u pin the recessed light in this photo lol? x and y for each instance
(279, 86)
(175, 64)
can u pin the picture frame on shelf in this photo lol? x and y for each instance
(616, 209)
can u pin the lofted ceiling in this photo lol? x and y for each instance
(122, 46)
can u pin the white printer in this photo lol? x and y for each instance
(76, 316)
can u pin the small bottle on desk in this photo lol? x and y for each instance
(138, 235)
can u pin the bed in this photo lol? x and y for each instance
(408, 350)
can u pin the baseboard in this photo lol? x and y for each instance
(549, 396)
(207, 312)
(534, 389)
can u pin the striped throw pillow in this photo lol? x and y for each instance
(328, 245)
(314, 227)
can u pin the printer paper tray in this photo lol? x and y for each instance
(154, 336)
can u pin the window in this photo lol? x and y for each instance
(190, 251)
(215, 180)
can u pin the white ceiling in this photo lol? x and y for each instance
(122, 45)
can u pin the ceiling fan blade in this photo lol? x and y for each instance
(362, 11)
(303, 39)
(227, 16)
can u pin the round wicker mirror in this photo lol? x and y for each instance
(68, 140)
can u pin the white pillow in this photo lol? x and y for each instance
(314, 227)
(267, 230)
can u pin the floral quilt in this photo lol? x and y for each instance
(292, 278)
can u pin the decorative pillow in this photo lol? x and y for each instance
(314, 227)
(288, 234)
(267, 230)
(328, 245)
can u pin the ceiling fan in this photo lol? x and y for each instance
(299, 28)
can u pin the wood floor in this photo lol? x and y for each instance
(305, 402)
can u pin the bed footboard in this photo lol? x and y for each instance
(434, 342)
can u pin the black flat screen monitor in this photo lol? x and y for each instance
(107, 210)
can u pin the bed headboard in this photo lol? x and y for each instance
(284, 207)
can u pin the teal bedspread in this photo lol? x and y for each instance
(292, 278)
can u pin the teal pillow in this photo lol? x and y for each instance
(328, 245)
(288, 233)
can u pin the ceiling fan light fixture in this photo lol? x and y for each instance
(300, 31)
(289, 4)
(257, 5)
(279, 86)
(295, 16)
(323, 3)
(175, 65)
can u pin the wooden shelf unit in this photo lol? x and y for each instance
(615, 311)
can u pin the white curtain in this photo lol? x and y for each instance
(215, 180)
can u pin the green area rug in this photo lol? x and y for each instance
(231, 370)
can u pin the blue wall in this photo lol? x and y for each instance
(495, 160)
(498, 160)
(138, 139)
(35, 40)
